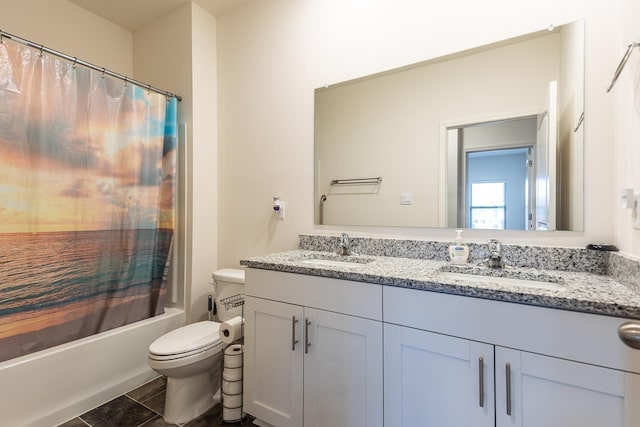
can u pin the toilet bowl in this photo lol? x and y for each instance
(191, 357)
(187, 356)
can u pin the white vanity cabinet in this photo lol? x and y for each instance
(436, 380)
(313, 351)
(552, 368)
(547, 391)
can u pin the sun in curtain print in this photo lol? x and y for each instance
(87, 175)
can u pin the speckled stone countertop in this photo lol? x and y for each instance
(568, 290)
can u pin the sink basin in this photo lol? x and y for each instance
(507, 281)
(337, 261)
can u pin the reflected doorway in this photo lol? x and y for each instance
(493, 166)
(496, 190)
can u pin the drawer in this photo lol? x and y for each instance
(582, 337)
(341, 296)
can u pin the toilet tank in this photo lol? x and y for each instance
(228, 282)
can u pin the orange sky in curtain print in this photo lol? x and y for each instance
(93, 165)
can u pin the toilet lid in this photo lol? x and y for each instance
(186, 339)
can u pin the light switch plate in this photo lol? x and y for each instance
(406, 198)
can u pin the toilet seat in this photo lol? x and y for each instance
(187, 341)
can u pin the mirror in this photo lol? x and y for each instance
(487, 138)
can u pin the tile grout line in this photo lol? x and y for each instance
(80, 418)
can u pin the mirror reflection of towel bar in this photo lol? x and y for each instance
(623, 62)
(357, 181)
(580, 120)
(323, 199)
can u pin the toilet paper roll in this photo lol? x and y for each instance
(232, 401)
(233, 356)
(231, 387)
(231, 330)
(229, 415)
(232, 374)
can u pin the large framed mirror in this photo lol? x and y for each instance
(487, 138)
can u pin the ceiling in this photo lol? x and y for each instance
(133, 14)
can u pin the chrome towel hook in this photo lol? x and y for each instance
(625, 58)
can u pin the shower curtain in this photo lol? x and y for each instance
(87, 174)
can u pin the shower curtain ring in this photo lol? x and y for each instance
(75, 61)
(126, 81)
(1, 37)
(102, 76)
(41, 49)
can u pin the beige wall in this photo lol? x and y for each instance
(626, 141)
(177, 52)
(63, 26)
(390, 126)
(272, 55)
(570, 140)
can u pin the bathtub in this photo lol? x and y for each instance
(51, 386)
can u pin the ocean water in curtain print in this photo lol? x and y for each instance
(87, 177)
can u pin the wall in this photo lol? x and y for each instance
(390, 126)
(63, 26)
(272, 55)
(177, 52)
(625, 147)
(570, 140)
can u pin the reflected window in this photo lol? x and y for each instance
(488, 205)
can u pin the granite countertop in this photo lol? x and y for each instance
(575, 291)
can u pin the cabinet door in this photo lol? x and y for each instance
(273, 382)
(550, 392)
(433, 380)
(342, 370)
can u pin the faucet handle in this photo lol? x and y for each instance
(345, 246)
(495, 247)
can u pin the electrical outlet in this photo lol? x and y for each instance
(635, 214)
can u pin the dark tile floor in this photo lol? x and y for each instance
(143, 406)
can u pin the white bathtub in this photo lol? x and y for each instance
(51, 386)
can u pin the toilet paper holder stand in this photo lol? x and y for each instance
(229, 303)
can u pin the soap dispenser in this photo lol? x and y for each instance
(458, 251)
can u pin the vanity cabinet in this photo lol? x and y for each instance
(314, 357)
(535, 390)
(438, 380)
(434, 377)
(313, 351)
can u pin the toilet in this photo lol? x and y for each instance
(191, 356)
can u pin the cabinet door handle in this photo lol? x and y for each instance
(481, 382)
(294, 341)
(508, 376)
(307, 344)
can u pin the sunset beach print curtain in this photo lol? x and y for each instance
(87, 174)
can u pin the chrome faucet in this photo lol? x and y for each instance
(345, 246)
(495, 254)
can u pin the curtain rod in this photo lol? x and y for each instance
(75, 61)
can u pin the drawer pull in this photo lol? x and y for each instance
(481, 382)
(629, 333)
(307, 344)
(294, 341)
(508, 368)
